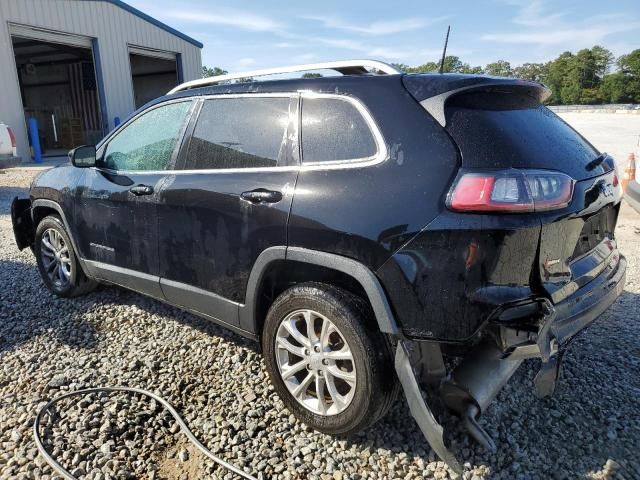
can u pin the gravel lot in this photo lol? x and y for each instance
(217, 380)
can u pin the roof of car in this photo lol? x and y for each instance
(421, 86)
(324, 84)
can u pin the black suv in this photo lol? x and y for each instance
(360, 227)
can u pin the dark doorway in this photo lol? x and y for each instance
(58, 87)
(152, 77)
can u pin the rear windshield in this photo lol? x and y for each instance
(510, 130)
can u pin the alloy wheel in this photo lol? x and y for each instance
(54, 253)
(315, 362)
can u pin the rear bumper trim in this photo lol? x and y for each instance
(575, 314)
(564, 320)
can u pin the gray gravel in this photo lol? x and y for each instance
(217, 380)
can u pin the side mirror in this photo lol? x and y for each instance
(83, 157)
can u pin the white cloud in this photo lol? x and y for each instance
(539, 24)
(305, 58)
(247, 61)
(567, 37)
(244, 20)
(377, 28)
(533, 14)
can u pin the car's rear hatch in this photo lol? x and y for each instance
(501, 125)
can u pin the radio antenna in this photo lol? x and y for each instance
(444, 50)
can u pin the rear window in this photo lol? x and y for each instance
(334, 130)
(239, 133)
(510, 130)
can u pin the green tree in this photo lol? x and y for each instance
(466, 68)
(424, 68)
(614, 88)
(630, 63)
(535, 72)
(452, 64)
(556, 74)
(311, 75)
(212, 72)
(581, 78)
(604, 60)
(584, 69)
(501, 68)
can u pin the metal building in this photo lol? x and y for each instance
(78, 65)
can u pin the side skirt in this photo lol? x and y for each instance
(181, 296)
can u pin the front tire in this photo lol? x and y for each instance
(57, 260)
(327, 360)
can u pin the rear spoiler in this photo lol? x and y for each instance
(433, 90)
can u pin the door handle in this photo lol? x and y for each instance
(261, 195)
(141, 190)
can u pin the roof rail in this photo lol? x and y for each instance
(346, 67)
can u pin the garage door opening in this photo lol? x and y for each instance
(152, 77)
(58, 87)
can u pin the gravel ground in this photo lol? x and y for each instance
(217, 380)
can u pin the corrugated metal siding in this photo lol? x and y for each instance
(115, 29)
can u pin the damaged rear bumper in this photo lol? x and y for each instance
(558, 324)
(555, 325)
(545, 334)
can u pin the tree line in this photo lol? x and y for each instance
(584, 78)
(590, 76)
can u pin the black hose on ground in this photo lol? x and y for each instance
(60, 470)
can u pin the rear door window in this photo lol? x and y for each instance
(334, 130)
(241, 132)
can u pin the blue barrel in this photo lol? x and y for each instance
(35, 140)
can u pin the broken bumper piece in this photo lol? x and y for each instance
(420, 411)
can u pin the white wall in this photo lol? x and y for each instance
(114, 27)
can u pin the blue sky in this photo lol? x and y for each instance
(257, 34)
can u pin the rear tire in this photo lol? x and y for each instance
(364, 385)
(57, 260)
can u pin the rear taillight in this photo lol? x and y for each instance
(510, 191)
(13, 140)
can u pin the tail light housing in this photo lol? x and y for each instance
(510, 191)
(13, 140)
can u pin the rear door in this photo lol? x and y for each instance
(228, 200)
(116, 204)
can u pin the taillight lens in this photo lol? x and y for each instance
(510, 191)
(12, 137)
(13, 140)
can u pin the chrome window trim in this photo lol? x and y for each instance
(381, 146)
(381, 155)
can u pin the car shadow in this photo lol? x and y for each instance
(127, 297)
(20, 324)
(28, 310)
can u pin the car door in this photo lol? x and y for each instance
(228, 200)
(116, 205)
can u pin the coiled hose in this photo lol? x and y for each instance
(60, 470)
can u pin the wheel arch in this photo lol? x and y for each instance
(312, 265)
(41, 208)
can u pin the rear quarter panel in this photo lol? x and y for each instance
(368, 213)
